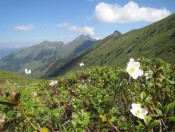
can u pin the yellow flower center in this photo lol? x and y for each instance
(138, 112)
(132, 69)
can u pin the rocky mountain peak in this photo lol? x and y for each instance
(117, 33)
(83, 37)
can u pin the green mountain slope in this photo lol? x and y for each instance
(154, 41)
(10, 81)
(33, 57)
(40, 57)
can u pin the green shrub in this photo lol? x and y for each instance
(96, 99)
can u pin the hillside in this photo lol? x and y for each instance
(41, 56)
(96, 99)
(79, 44)
(32, 57)
(10, 82)
(154, 41)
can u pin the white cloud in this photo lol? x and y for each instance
(74, 28)
(131, 12)
(23, 28)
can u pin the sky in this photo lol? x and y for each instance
(27, 22)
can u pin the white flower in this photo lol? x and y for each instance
(138, 111)
(27, 71)
(53, 83)
(81, 64)
(133, 69)
(148, 74)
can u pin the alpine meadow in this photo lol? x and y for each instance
(124, 82)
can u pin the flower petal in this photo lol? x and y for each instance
(131, 60)
(136, 64)
(133, 111)
(141, 116)
(144, 111)
(140, 72)
(134, 76)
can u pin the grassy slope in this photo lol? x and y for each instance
(96, 99)
(33, 58)
(154, 41)
(14, 82)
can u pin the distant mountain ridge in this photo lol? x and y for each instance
(6, 51)
(154, 41)
(41, 55)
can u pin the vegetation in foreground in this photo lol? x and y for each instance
(96, 99)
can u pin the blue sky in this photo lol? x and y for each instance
(28, 22)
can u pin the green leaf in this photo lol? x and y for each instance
(162, 76)
(154, 123)
(159, 112)
(147, 100)
(103, 118)
(159, 105)
(85, 121)
(55, 112)
(169, 107)
(171, 118)
(113, 119)
(171, 82)
(158, 84)
(74, 115)
(74, 123)
(147, 119)
(143, 95)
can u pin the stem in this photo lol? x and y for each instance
(140, 84)
(160, 126)
(115, 91)
(163, 124)
(115, 94)
(124, 100)
(114, 127)
(24, 114)
(66, 122)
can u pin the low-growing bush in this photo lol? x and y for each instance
(138, 98)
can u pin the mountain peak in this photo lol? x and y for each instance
(46, 42)
(117, 33)
(83, 37)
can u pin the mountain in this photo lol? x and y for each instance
(32, 57)
(41, 56)
(154, 41)
(79, 44)
(6, 51)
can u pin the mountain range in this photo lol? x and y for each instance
(6, 51)
(51, 59)
(154, 41)
(40, 56)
